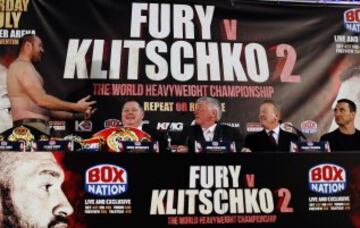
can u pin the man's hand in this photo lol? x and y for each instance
(84, 105)
(182, 149)
(89, 113)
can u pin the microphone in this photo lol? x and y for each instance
(298, 132)
(168, 138)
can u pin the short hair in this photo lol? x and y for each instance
(133, 100)
(272, 102)
(214, 104)
(24, 39)
(352, 105)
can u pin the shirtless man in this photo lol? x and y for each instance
(30, 104)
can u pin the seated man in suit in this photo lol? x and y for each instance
(272, 138)
(207, 114)
(132, 115)
(346, 137)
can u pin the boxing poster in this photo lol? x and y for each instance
(168, 54)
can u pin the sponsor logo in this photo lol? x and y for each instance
(309, 127)
(327, 179)
(174, 126)
(286, 126)
(352, 20)
(106, 180)
(83, 125)
(112, 123)
(235, 125)
(57, 125)
(253, 127)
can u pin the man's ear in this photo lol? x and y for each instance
(214, 112)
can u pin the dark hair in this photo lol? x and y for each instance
(133, 100)
(24, 39)
(351, 104)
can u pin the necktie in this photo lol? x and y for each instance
(271, 138)
(208, 135)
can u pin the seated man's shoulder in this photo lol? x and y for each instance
(329, 135)
(254, 135)
(290, 134)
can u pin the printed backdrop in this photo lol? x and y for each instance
(168, 54)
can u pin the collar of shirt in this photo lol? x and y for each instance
(276, 133)
(209, 133)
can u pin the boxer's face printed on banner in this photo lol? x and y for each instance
(34, 197)
(343, 115)
(37, 49)
(204, 115)
(132, 115)
(268, 116)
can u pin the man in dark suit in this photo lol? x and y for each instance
(132, 115)
(272, 138)
(207, 114)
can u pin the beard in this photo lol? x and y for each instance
(36, 57)
(12, 218)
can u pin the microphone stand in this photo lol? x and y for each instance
(298, 132)
(168, 138)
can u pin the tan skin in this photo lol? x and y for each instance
(132, 115)
(205, 116)
(36, 192)
(344, 118)
(268, 116)
(27, 95)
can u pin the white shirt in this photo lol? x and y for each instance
(209, 133)
(276, 133)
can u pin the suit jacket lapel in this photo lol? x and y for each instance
(217, 133)
(199, 133)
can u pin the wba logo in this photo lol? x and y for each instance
(327, 179)
(112, 123)
(106, 180)
(352, 20)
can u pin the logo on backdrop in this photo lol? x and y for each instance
(327, 179)
(352, 20)
(309, 127)
(83, 126)
(106, 180)
(112, 123)
(174, 126)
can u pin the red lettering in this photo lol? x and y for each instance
(106, 174)
(94, 175)
(316, 174)
(327, 173)
(118, 175)
(337, 174)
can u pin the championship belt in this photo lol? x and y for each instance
(115, 135)
(24, 134)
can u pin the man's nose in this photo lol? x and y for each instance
(63, 207)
